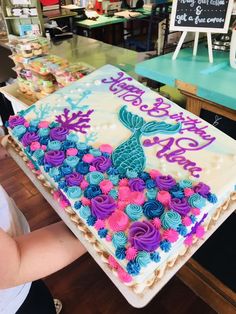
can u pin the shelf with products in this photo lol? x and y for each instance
(23, 17)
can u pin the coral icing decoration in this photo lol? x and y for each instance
(99, 224)
(78, 121)
(34, 146)
(186, 221)
(189, 240)
(84, 184)
(171, 235)
(85, 201)
(164, 197)
(112, 262)
(71, 151)
(43, 124)
(106, 148)
(105, 186)
(200, 232)
(157, 223)
(88, 158)
(131, 253)
(154, 173)
(188, 192)
(123, 182)
(137, 198)
(118, 221)
(195, 211)
(123, 275)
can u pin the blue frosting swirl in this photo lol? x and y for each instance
(72, 161)
(165, 245)
(92, 191)
(91, 220)
(170, 220)
(72, 137)
(114, 179)
(120, 253)
(74, 192)
(102, 233)
(19, 130)
(38, 153)
(95, 177)
(212, 198)
(152, 209)
(143, 258)
(43, 132)
(66, 170)
(151, 194)
(84, 212)
(95, 152)
(119, 239)
(150, 184)
(133, 268)
(81, 146)
(185, 183)
(155, 257)
(82, 167)
(196, 200)
(113, 193)
(54, 145)
(134, 211)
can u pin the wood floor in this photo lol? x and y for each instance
(83, 287)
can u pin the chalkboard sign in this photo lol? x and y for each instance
(201, 15)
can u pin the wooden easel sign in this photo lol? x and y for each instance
(206, 16)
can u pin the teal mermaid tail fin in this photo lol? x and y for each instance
(132, 121)
(130, 154)
(154, 127)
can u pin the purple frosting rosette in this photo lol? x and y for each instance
(54, 157)
(103, 206)
(202, 189)
(58, 133)
(181, 206)
(101, 163)
(165, 182)
(144, 236)
(16, 120)
(74, 179)
(136, 184)
(29, 137)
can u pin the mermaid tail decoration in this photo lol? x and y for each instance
(130, 154)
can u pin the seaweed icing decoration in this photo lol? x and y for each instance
(74, 104)
(42, 111)
(77, 121)
(130, 154)
(91, 137)
(26, 111)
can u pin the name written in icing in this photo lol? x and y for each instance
(173, 149)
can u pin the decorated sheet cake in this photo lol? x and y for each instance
(142, 177)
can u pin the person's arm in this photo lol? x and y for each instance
(37, 254)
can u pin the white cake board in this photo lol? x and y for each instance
(134, 299)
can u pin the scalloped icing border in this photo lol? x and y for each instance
(159, 273)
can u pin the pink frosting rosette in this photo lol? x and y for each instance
(144, 236)
(102, 206)
(58, 133)
(118, 221)
(54, 157)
